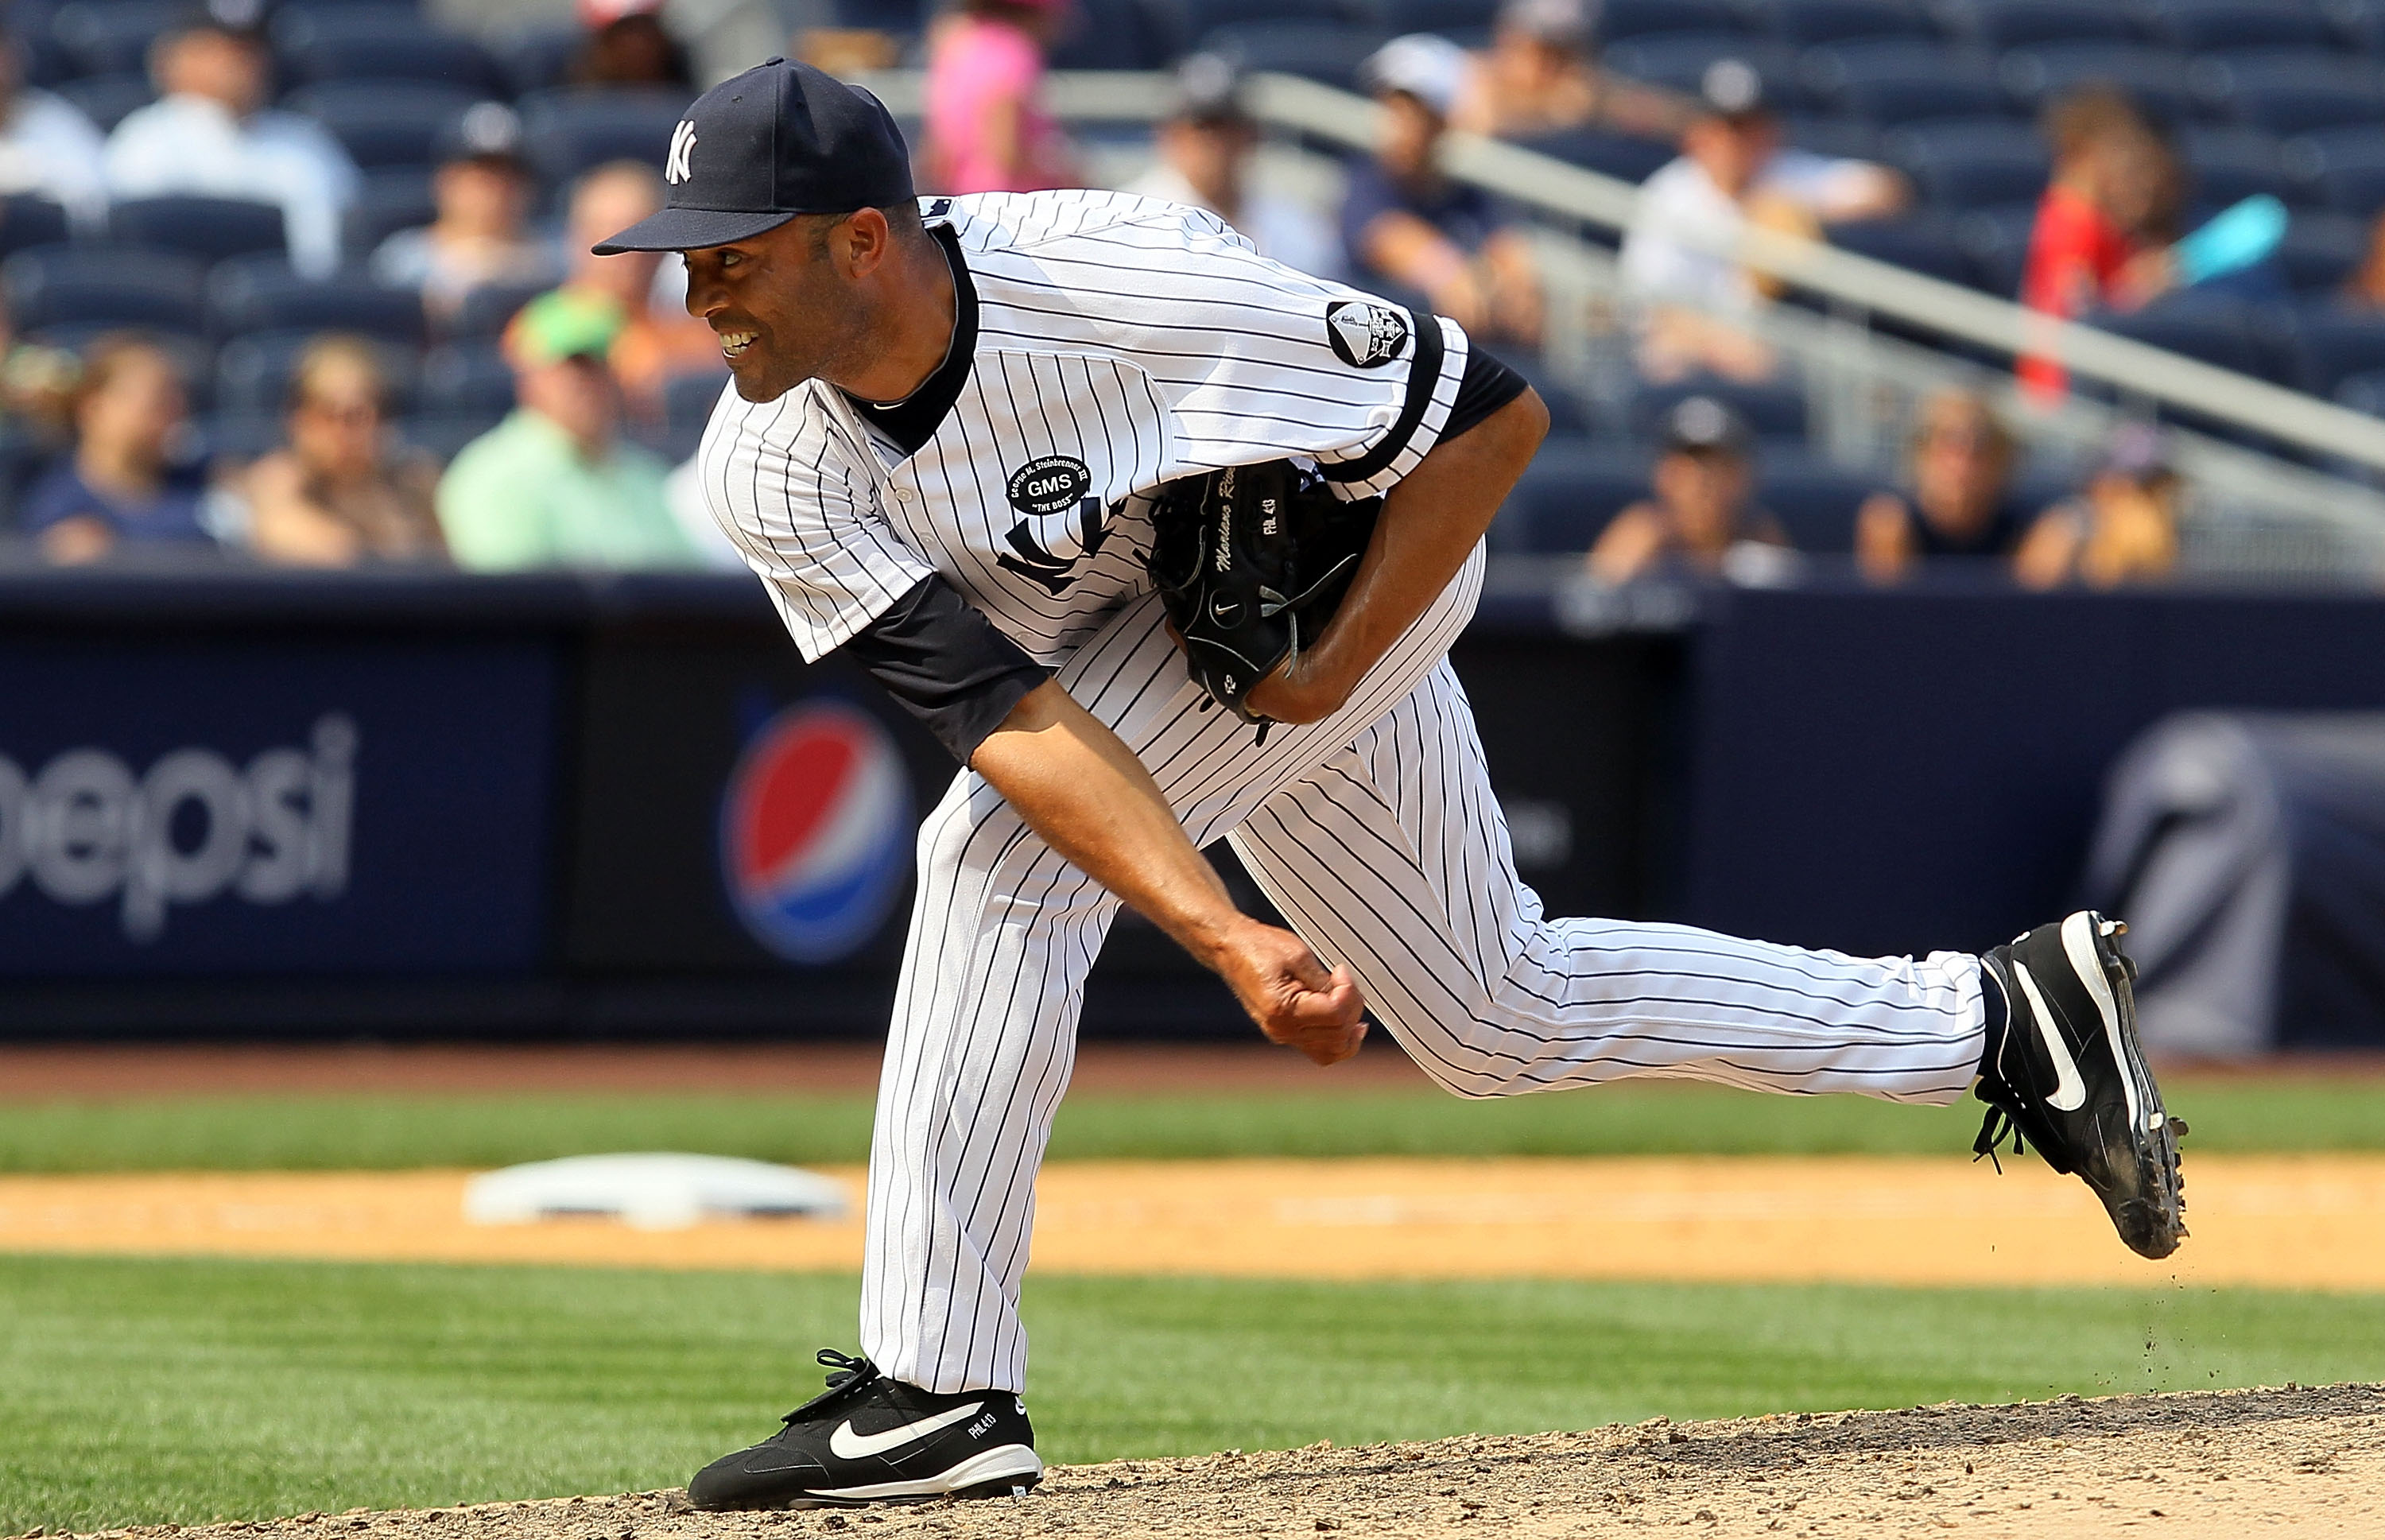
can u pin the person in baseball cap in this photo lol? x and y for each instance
(479, 234)
(790, 194)
(1206, 146)
(1702, 518)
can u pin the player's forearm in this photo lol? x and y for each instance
(1431, 523)
(1092, 801)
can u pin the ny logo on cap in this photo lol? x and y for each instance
(675, 164)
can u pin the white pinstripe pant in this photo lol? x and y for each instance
(1377, 835)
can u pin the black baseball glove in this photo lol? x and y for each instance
(1251, 563)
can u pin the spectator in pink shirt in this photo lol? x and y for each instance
(987, 129)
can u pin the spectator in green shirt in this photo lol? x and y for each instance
(553, 485)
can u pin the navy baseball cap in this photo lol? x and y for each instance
(755, 151)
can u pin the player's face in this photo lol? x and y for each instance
(783, 306)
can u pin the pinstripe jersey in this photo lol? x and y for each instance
(1120, 343)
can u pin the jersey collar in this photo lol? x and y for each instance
(912, 421)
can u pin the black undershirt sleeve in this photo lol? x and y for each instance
(945, 662)
(1486, 386)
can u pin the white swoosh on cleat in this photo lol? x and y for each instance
(2069, 1088)
(847, 1444)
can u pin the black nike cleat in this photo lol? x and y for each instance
(2066, 1073)
(868, 1439)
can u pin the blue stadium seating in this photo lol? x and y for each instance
(2217, 329)
(566, 132)
(885, 16)
(1771, 411)
(441, 434)
(1618, 19)
(1569, 493)
(1192, 20)
(261, 293)
(2230, 164)
(2001, 24)
(1805, 23)
(1427, 16)
(537, 59)
(1996, 239)
(211, 228)
(392, 199)
(1890, 84)
(1680, 60)
(1618, 154)
(2161, 83)
(112, 37)
(42, 59)
(486, 310)
(1111, 34)
(27, 220)
(253, 373)
(2292, 91)
(1923, 243)
(48, 287)
(384, 123)
(1814, 500)
(1328, 52)
(375, 44)
(2320, 250)
(1972, 163)
(2332, 343)
(2342, 168)
(1836, 136)
(107, 100)
(241, 436)
(467, 376)
(2364, 393)
(2209, 26)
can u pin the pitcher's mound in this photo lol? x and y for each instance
(2292, 1461)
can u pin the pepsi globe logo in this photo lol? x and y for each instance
(816, 830)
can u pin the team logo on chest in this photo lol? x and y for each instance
(1364, 334)
(1064, 523)
(1049, 483)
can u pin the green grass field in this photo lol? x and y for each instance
(178, 1391)
(394, 1133)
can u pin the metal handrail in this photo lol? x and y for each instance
(1948, 310)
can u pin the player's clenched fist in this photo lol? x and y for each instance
(1295, 999)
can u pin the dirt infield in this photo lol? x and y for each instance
(2211, 1467)
(2286, 1221)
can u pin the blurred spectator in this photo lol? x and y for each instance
(338, 495)
(553, 485)
(1960, 500)
(2123, 529)
(987, 129)
(1733, 171)
(2112, 203)
(629, 45)
(47, 146)
(658, 341)
(121, 484)
(482, 194)
(1703, 521)
(1404, 222)
(1204, 154)
(210, 135)
(1539, 75)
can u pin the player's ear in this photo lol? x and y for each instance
(863, 242)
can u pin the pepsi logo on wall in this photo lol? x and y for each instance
(816, 830)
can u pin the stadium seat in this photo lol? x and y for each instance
(383, 123)
(45, 59)
(443, 434)
(2332, 343)
(1444, 17)
(27, 220)
(1680, 60)
(468, 376)
(688, 400)
(113, 37)
(2208, 26)
(253, 373)
(261, 293)
(539, 57)
(1832, 136)
(373, 44)
(49, 287)
(2364, 393)
(2215, 328)
(1972, 163)
(566, 132)
(212, 229)
(393, 198)
(1814, 500)
(1328, 52)
(2359, 25)
(241, 436)
(486, 310)
(879, 16)
(2230, 164)
(2001, 24)
(1196, 19)
(1569, 493)
(1618, 19)
(107, 100)
(2320, 250)
(1625, 156)
(2292, 91)
(1919, 243)
(1771, 411)
(2161, 83)
(1892, 83)
(2341, 168)
(1113, 34)
(1806, 23)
